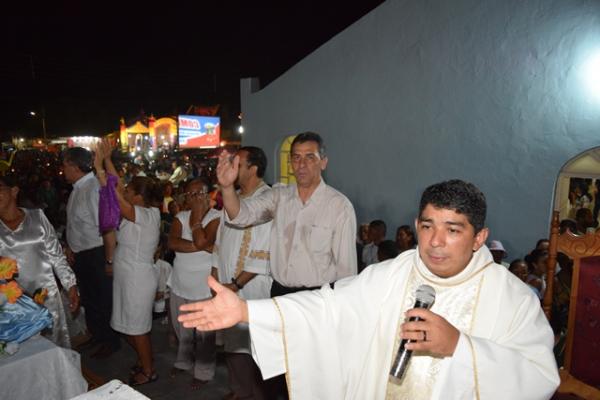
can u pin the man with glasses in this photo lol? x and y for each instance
(192, 237)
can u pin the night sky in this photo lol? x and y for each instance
(87, 72)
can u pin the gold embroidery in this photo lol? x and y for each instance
(475, 379)
(475, 306)
(454, 283)
(285, 351)
(259, 254)
(458, 308)
(244, 249)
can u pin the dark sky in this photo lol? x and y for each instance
(87, 72)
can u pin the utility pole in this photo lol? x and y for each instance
(44, 123)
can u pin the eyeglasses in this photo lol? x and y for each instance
(310, 158)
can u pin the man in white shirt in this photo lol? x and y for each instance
(92, 252)
(179, 174)
(485, 336)
(314, 225)
(241, 262)
(377, 231)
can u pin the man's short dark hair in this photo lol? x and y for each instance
(461, 197)
(256, 157)
(310, 137)
(378, 224)
(79, 157)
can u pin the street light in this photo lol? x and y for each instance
(43, 118)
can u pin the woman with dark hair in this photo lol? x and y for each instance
(405, 238)
(134, 278)
(27, 236)
(192, 237)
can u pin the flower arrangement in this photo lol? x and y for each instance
(21, 316)
(8, 286)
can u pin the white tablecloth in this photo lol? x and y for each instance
(113, 390)
(41, 370)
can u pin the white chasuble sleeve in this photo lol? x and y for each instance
(517, 364)
(332, 344)
(301, 333)
(267, 337)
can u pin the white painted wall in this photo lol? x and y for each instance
(420, 91)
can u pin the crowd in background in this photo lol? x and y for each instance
(181, 181)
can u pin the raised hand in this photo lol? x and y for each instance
(98, 156)
(224, 310)
(433, 334)
(106, 147)
(227, 169)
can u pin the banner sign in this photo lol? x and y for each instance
(199, 131)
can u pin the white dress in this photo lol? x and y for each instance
(135, 278)
(188, 279)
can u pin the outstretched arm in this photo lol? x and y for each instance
(222, 311)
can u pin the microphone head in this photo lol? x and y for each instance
(425, 294)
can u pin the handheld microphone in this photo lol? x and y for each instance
(425, 296)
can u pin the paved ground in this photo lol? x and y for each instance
(117, 367)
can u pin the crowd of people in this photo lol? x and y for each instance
(181, 227)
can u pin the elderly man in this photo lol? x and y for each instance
(484, 337)
(91, 251)
(314, 226)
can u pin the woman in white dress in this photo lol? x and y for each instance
(192, 237)
(134, 278)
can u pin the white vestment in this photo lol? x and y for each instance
(340, 344)
(244, 249)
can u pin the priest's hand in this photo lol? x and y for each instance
(433, 334)
(227, 169)
(222, 311)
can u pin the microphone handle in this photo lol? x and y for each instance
(403, 356)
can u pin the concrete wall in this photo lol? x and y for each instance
(419, 91)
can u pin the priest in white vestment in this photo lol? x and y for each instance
(485, 337)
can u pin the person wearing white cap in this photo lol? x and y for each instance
(498, 252)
